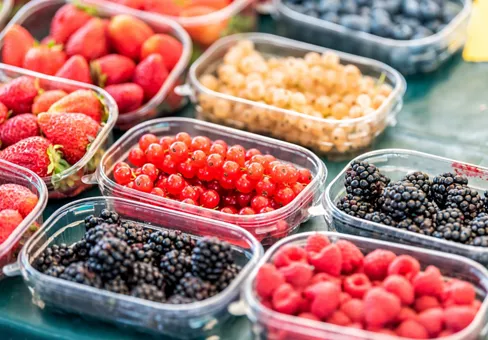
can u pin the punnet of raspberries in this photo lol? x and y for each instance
(211, 174)
(380, 291)
(441, 206)
(124, 257)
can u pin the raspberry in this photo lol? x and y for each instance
(356, 325)
(289, 254)
(339, 318)
(404, 265)
(316, 242)
(298, 274)
(385, 331)
(425, 302)
(357, 285)
(407, 313)
(352, 258)
(458, 317)
(354, 309)
(309, 316)
(344, 297)
(325, 298)
(461, 293)
(433, 321)
(401, 287)
(329, 260)
(429, 282)
(476, 304)
(305, 305)
(324, 277)
(267, 280)
(445, 332)
(286, 300)
(412, 329)
(377, 262)
(380, 307)
(267, 304)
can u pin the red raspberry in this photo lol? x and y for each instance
(429, 282)
(286, 300)
(352, 258)
(385, 331)
(376, 263)
(324, 277)
(357, 285)
(267, 280)
(298, 274)
(309, 316)
(445, 332)
(460, 292)
(305, 305)
(325, 298)
(288, 254)
(401, 287)
(344, 297)
(476, 304)
(339, 318)
(354, 309)
(425, 302)
(412, 329)
(316, 242)
(404, 265)
(433, 321)
(458, 317)
(356, 325)
(407, 313)
(329, 260)
(380, 307)
(267, 304)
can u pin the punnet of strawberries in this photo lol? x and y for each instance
(380, 292)
(122, 54)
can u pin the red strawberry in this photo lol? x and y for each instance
(90, 41)
(18, 95)
(16, 43)
(75, 68)
(73, 131)
(4, 114)
(127, 34)
(112, 69)
(168, 7)
(128, 96)
(17, 197)
(80, 101)
(43, 102)
(9, 220)
(137, 4)
(151, 74)
(67, 20)
(17, 128)
(164, 44)
(44, 59)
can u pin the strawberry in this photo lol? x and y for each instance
(151, 74)
(128, 96)
(17, 128)
(137, 4)
(167, 7)
(67, 20)
(164, 44)
(9, 220)
(80, 101)
(76, 68)
(18, 95)
(73, 131)
(43, 102)
(206, 33)
(4, 113)
(90, 41)
(127, 35)
(17, 197)
(112, 69)
(44, 59)
(16, 43)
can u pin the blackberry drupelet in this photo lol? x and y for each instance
(136, 233)
(55, 270)
(146, 273)
(148, 292)
(104, 230)
(78, 272)
(420, 180)
(401, 200)
(364, 180)
(110, 217)
(174, 265)
(380, 217)
(179, 300)
(210, 257)
(355, 206)
(117, 285)
(195, 288)
(162, 242)
(228, 275)
(465, 199)
(441, 185)
(111, 257)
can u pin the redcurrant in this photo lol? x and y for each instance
(218, 149)
(266, 210)
(189, 192)
(175, 184)
(204, 174)
(189, 201)
(215, 162)
(150, 170)
(210, 199)
(237, 154)
(161, 182)
(168, 165)
(221, 142)
(231, 169)
(227, 183)
(155, 153)
(259, 159)
(178, 151)
(184, 137)
(252, 152)
(304, 176)
(243, 200)
(157, 191)
(199, 189)
(166, 142)
(137, 156)
(143, 183)
(279, 173)
(284, 196)
(215, 185)
(265, 187)
(198, 159)
(247, 211)
(123, 175)
(147, 140)
(259, 202)
(230, 199)
(297, 188)
(201, 143)
(255, 171)
(186, 169)
(275, 205)
(121, 165)
(229, 210)
(130, 185)
(244, 184)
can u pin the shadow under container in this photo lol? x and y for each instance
(396, 163)
(13, 174)
(407, 56)
(271, 325)
(36, 17)
(317, 134)
(193, 320)
(267, 227)
(68, 182)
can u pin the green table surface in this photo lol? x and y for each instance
(444, 113)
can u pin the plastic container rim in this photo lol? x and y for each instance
(7, 6)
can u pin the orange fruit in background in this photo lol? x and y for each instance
(204, 34)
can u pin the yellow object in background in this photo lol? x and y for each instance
(476, 48)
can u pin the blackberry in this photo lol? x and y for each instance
(195, 288)
(78, 272)
(210, 257)
(485, 201)
(57, 254)
(55, 270)
(480, 241)
(465, 199)
(420, 180)
(364, 180)
(380, 217)
(104, 230)
(136, 233)
(110, 217)
(228, 275)
(148, 292)
(453, 218)
(179, 300)
(425, 224)
(142, 253)
(111, 257)
(479, 225)
(174, 265)
(146, 273)
(441, 185)
(401, 200)
(164, 241)
(81, 249)
(92, 221)
(117, 285)
(355, 206)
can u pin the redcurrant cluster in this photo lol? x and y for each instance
(211, 174)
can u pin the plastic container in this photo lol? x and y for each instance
(36, 17)
(5, 10)
(11, 173)
(407, 56)
(194, 320)
(295, 127)
(272, 325)
(267, 227)
(68, 183)
(396, 163)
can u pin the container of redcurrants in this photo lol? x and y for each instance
(263, 185)
(410, 35)
(333, 286)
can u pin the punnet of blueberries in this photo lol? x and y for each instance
(443, 206)
(124, 257)
(394, 19)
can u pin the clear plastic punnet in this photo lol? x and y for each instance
(396, 163)
(11, 173)
(5, 10)
(271, 325)
(407, 56)
(266, 227)
(36, 17)
(318, 134)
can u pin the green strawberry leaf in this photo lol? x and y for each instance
(85, 8)
(57, 163)
(105, 112)
(238, 24)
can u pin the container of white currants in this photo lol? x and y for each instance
(333, 103)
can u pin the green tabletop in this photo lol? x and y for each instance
(444, 113)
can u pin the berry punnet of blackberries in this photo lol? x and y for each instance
(174, 265)
(441, 185)
(364, 180)
(420, 180)
(210, 258)
(195, 288)
(111, 257)
(148, 292)
(402, 200)
(465, 199)
(355, 206)
(479, 225)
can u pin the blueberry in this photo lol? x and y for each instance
(308, 6)
(348, 7)
(391, 6)
(429, 10)
(412, 22)
(331, 16)
(433, 25)
(449, 13)
(324, 6)
(364, 11)
(401, 32)
(381, 27)
(411, 8)
(366, 3)
(356, 22)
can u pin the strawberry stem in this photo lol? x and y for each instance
(57, 163)
(85, 8)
